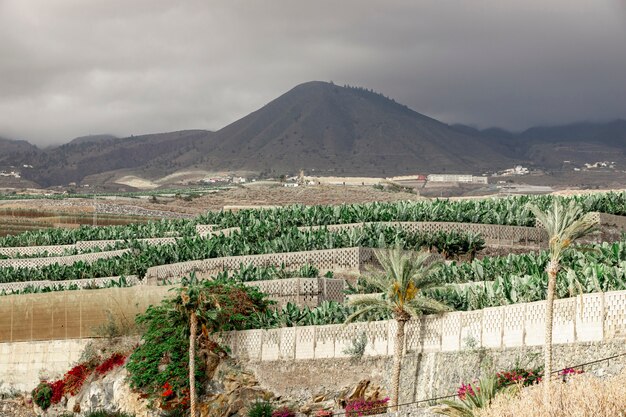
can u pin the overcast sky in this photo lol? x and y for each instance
(73, 67)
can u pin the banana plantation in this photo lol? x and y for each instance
(465, 284)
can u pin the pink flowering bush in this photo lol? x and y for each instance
(361, 407)
(570, 371)
(525, 377)
(464, 390)
(283, 412)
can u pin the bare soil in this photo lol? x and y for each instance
(270, 196)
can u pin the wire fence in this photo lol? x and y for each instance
(432, 401)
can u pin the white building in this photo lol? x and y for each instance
(464, 178)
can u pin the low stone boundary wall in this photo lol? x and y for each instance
(10, 287)
(492, 233)
(34, 250)
(588, 318)
(60, 260)
(80, 246)
(203, 230)
(348, 260)
(302, 291)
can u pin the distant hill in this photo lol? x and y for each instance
(14, 152)
(548, 147)
(75, 160)
(324, 129)
(92, 139)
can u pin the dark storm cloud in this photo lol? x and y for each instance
(71, 67)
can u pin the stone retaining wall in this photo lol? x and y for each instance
(424, 375)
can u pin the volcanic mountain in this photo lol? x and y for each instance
(327, 128)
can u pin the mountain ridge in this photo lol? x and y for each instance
(327, 129)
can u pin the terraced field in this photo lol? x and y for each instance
(324, 242)
(16, 220)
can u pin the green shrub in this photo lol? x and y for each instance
(261, 409)
(160, 364)
(42, 395)
(176, 412)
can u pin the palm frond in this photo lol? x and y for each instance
(424, 305)
(564, 223)
(372, 306)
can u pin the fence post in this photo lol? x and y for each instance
(314, 340)
(604, 314)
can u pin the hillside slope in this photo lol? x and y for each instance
(323, 127)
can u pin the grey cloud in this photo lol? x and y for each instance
(71, 68)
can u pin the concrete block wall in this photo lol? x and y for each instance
(302, 291)
(9, 287)
(23, 363)
(492, 233)
(60, 260)
(347, 260)
(587, 318)
(80, 246)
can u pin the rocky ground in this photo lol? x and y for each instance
(16, 407)
(276, 196)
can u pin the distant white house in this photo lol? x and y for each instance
(603, 164)
(10, 174)
(516, 170)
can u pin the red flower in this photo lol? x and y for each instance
(167, 390)
(115, 360)
(58, 389)
(74, 378)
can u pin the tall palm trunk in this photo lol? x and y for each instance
(193, 328)
(397, 361)
(552, 269)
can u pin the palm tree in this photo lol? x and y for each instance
(564, 223)
(191, 300)
(218, 305)
(403, 277)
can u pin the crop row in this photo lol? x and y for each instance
(247, 242)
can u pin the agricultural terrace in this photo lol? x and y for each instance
(105, 256)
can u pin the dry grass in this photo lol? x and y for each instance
(581, 396)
